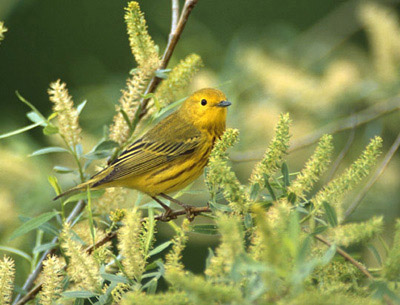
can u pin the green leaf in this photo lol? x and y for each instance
(375, 252)
(106, 145)
(33, 224)
(82, 294)
(43, 247)
(126, 118)
(114, 278)
(81, 106)
(34, 109)
(50, 129)
(285, 173)
(63, 169)
(254, 190)
(18, 131)
(54, 183)
(17, 252)
(330, 214)
(205, 229)
(35, 118)
(319, 230)
(84, 196)
(160, 248)
(269, 187)
(162, 73)
(48, 150)
(46, 227)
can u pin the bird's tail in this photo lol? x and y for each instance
(94, 183)
(78, 188)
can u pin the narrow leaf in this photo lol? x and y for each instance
(82, 294)
(205, 229)
(285, 173)
(35, 118)
(44, 247)
(33, 224)
(160, 248)
(48, 150)
(22, 99)
(330, 214)
(50, 129)
(80, 107)
(18, 131)
(17, 252)
(114, 278)
(54, 183)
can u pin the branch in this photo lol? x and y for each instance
(341, 156)
(174, 17)
(195, 211)
(363, 117)
(349, 258)
(374, 178)
(173, 40)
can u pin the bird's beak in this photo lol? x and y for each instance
(224, 104)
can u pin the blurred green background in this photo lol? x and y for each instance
(311, 58)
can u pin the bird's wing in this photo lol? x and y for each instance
(152, 151)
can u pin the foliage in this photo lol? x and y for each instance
(267, 253)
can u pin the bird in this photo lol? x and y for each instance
(170, 155)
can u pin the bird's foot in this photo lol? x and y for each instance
(167, 215)
(189, 209)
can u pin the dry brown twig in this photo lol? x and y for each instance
(177, 27)
(350, 259)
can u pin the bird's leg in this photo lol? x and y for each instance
(188, 208)
(167, 214)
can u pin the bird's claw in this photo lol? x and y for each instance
(189, 209)
(167, 215)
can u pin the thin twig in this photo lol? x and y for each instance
(372, 113)
(341, 156)
(349, 258)
(172, 41)
(374, 178)
(174, 214)
(174, 16)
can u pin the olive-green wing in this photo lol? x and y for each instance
(146, 154)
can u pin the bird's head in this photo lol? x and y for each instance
(206, 108)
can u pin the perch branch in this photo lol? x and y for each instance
(174, 214)
(374, 178)
(172, 41)
(356, 264)
(372, 113)
(174, 17)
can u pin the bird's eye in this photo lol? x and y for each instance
(204, 102)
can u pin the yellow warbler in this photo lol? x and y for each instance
(170, 155)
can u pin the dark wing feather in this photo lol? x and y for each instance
(154, 149)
